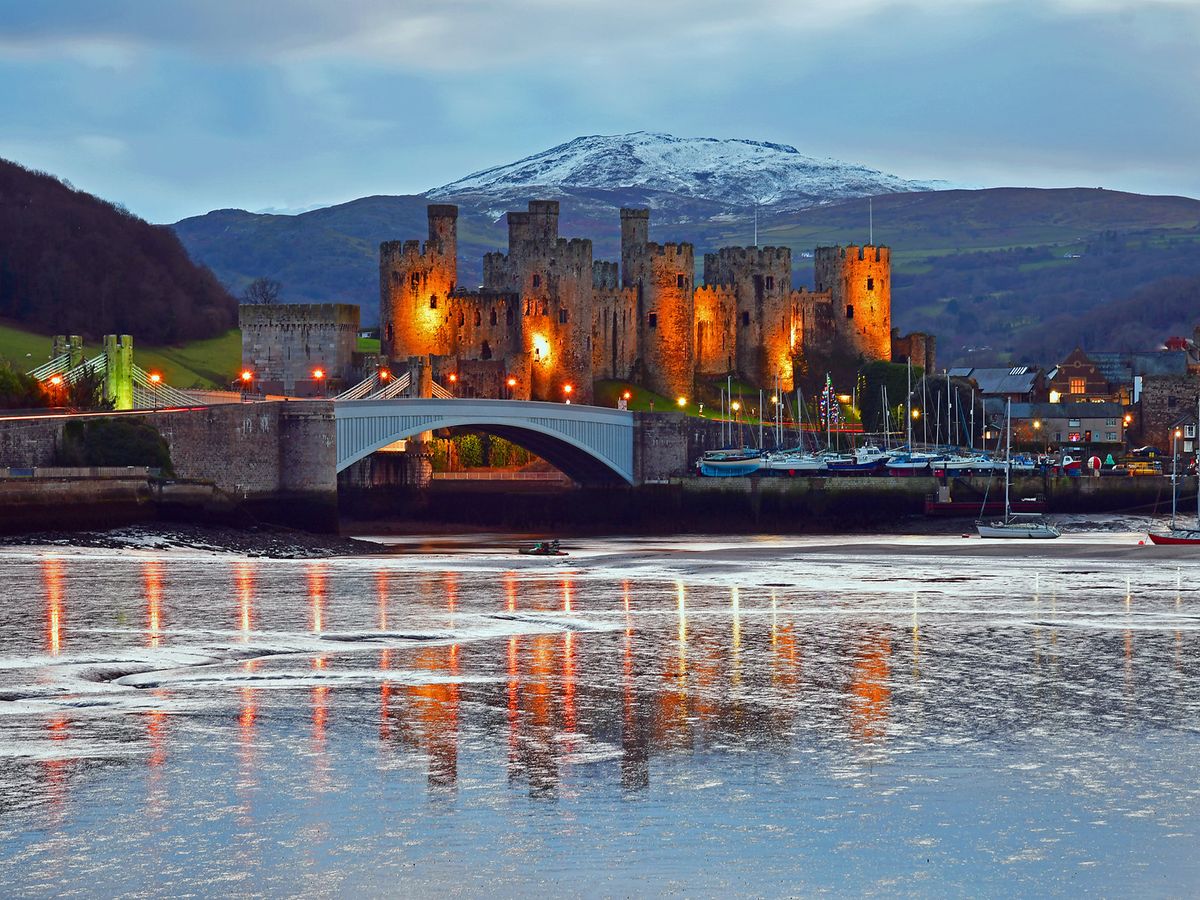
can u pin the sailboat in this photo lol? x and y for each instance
(1175, 534)
(1015, 525)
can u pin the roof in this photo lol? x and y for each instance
(1120, 367)
(995, 406)
(1013, 380)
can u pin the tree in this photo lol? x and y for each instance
(261, 291)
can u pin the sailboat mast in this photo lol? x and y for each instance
(908, 405)
(760, 419)
(1007, 459)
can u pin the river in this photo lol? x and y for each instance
(700, 716)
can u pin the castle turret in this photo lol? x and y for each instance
(635, 234)
(860, 284)
(414, 284)
(667, 319)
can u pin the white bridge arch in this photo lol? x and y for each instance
(592, 444)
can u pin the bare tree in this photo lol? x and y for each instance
(262, 290)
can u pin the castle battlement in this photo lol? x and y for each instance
(573, 318)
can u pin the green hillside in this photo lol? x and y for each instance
(210, 363)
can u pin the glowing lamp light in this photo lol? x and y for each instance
(56, 380)
(627, 395)
(512, 382)
(1128, 418)
(384, 374)
(682, 401)
(1037, 425)
(453, 377)
(916, 414)
(735, 406)
(318, 374)
(155, 378)
(843, 398)
(774, 399)
(1178, 432)
(247, 376)
(568, 388)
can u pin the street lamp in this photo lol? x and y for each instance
(155, 378)
(567, 389)
(247, 382)
(682, 401)
(319, 377)
(916, 414)
(1175, 436)
(512, 383)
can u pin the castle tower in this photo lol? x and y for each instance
(667, 319)
(414, 285)
(860, 283)
(635, 235)
(764, 332)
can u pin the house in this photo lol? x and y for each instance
(1078, 379)
(1016, 383)
(1051, 425)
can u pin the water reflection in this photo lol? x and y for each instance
(52, 581)
(870, 687)
(244, 577)
(152, 581)
(316, 596)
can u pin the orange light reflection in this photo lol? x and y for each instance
(152, 583)
(53, 579)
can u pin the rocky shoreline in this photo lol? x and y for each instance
(261, 541)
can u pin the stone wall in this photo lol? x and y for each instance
(283, 343)
(1165, 399)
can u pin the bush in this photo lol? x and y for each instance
(114, 442)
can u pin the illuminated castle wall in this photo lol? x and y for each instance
(552, 316)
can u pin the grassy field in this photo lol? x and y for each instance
(211, 363)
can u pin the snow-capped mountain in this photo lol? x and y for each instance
(733, 173)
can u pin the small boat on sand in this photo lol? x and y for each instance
(542, 548)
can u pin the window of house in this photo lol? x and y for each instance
(770, 282)
(537, 280)
(1111, 437)
(1188, 446)
(1073, 423)
(652, 320)
(1058, 437)
(1078, 386)
(433, 302)
(680, 280)
(416, 279)
(870, 284)
(746, 318)
(562, 316)
(849, 312)
(1188, 430)
(1110, 422)
(1074, 436)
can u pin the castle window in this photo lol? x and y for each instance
(562, 316)
(870, 284)
(389, 332)
(508, 315)
(681, 280)
(433, 302)
(478, 317)
(416, 279)
(485, 352)
(746, 318)
(770, 282)
(537, 280)
(545, 308)
(652, 320)
(528, 307)
(493, 317)
(849, 312)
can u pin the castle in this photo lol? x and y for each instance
(552, 319)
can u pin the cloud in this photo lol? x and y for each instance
(179, 107)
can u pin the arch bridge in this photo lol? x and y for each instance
(591, 444)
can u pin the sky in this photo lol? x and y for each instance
(177, 107)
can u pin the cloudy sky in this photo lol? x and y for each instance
(176, 107)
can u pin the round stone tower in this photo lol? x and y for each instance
(859, 280)
(667, 319)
